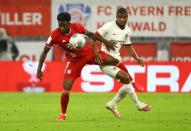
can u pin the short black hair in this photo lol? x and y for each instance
(121, 10)
(64, 16)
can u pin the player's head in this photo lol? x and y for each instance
(121, 17)
(64, 22)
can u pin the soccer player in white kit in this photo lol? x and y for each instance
(119, 32)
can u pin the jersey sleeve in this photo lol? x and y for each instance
(103, 31)
(80, 28)
(50, 42)
(128, 38)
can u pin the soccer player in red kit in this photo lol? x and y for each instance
(76, 59)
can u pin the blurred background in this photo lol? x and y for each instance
(161, 35)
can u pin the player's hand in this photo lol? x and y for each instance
(110, 45)
(141, 62)
(98, 59)
(39, 75)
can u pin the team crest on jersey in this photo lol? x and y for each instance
(69, 71)
(79, 12)
(127, 37)
(63, 41)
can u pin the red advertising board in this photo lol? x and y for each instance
(155, 77)
(25, 17)
(180, 51)
(147, 51)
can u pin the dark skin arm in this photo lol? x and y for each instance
(132, 52)
(98, 58)
(95, 36)
(43, 55)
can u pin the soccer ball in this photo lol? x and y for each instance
(77, 41)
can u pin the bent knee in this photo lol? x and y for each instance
(116, 61)
(125, 80)
(123, 77)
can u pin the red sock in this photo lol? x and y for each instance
(123, 68)
(64, 101)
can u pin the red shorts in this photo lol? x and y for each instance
(74, 66)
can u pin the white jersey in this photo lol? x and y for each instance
(110, 31)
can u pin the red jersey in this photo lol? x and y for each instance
(62, 40)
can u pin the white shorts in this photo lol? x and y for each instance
(110, 70)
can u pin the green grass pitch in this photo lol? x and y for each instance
(86, 112)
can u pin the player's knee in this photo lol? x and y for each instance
(67, 88)
(67, 85)
(116, 62)
(66, 92)
(123, 78)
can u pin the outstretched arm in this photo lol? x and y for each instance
(96, 36)
(133, 53)
(41, 61)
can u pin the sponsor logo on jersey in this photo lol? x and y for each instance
(127, 37)
(63, 41)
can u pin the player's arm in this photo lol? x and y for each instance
(133, 53)
(98, 58)
(41, 61)
(96, 36)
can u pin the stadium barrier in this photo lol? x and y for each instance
(155, 77)
(26, 18)
(180, 52)
(147, 51)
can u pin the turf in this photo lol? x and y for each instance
(86, 112)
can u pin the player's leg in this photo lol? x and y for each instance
(123, 77)
(64, 99)
(135, 84)
(108, 59)
(72, 72)
(127, 88)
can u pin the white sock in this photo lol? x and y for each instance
(131, 92)
(122, 92)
